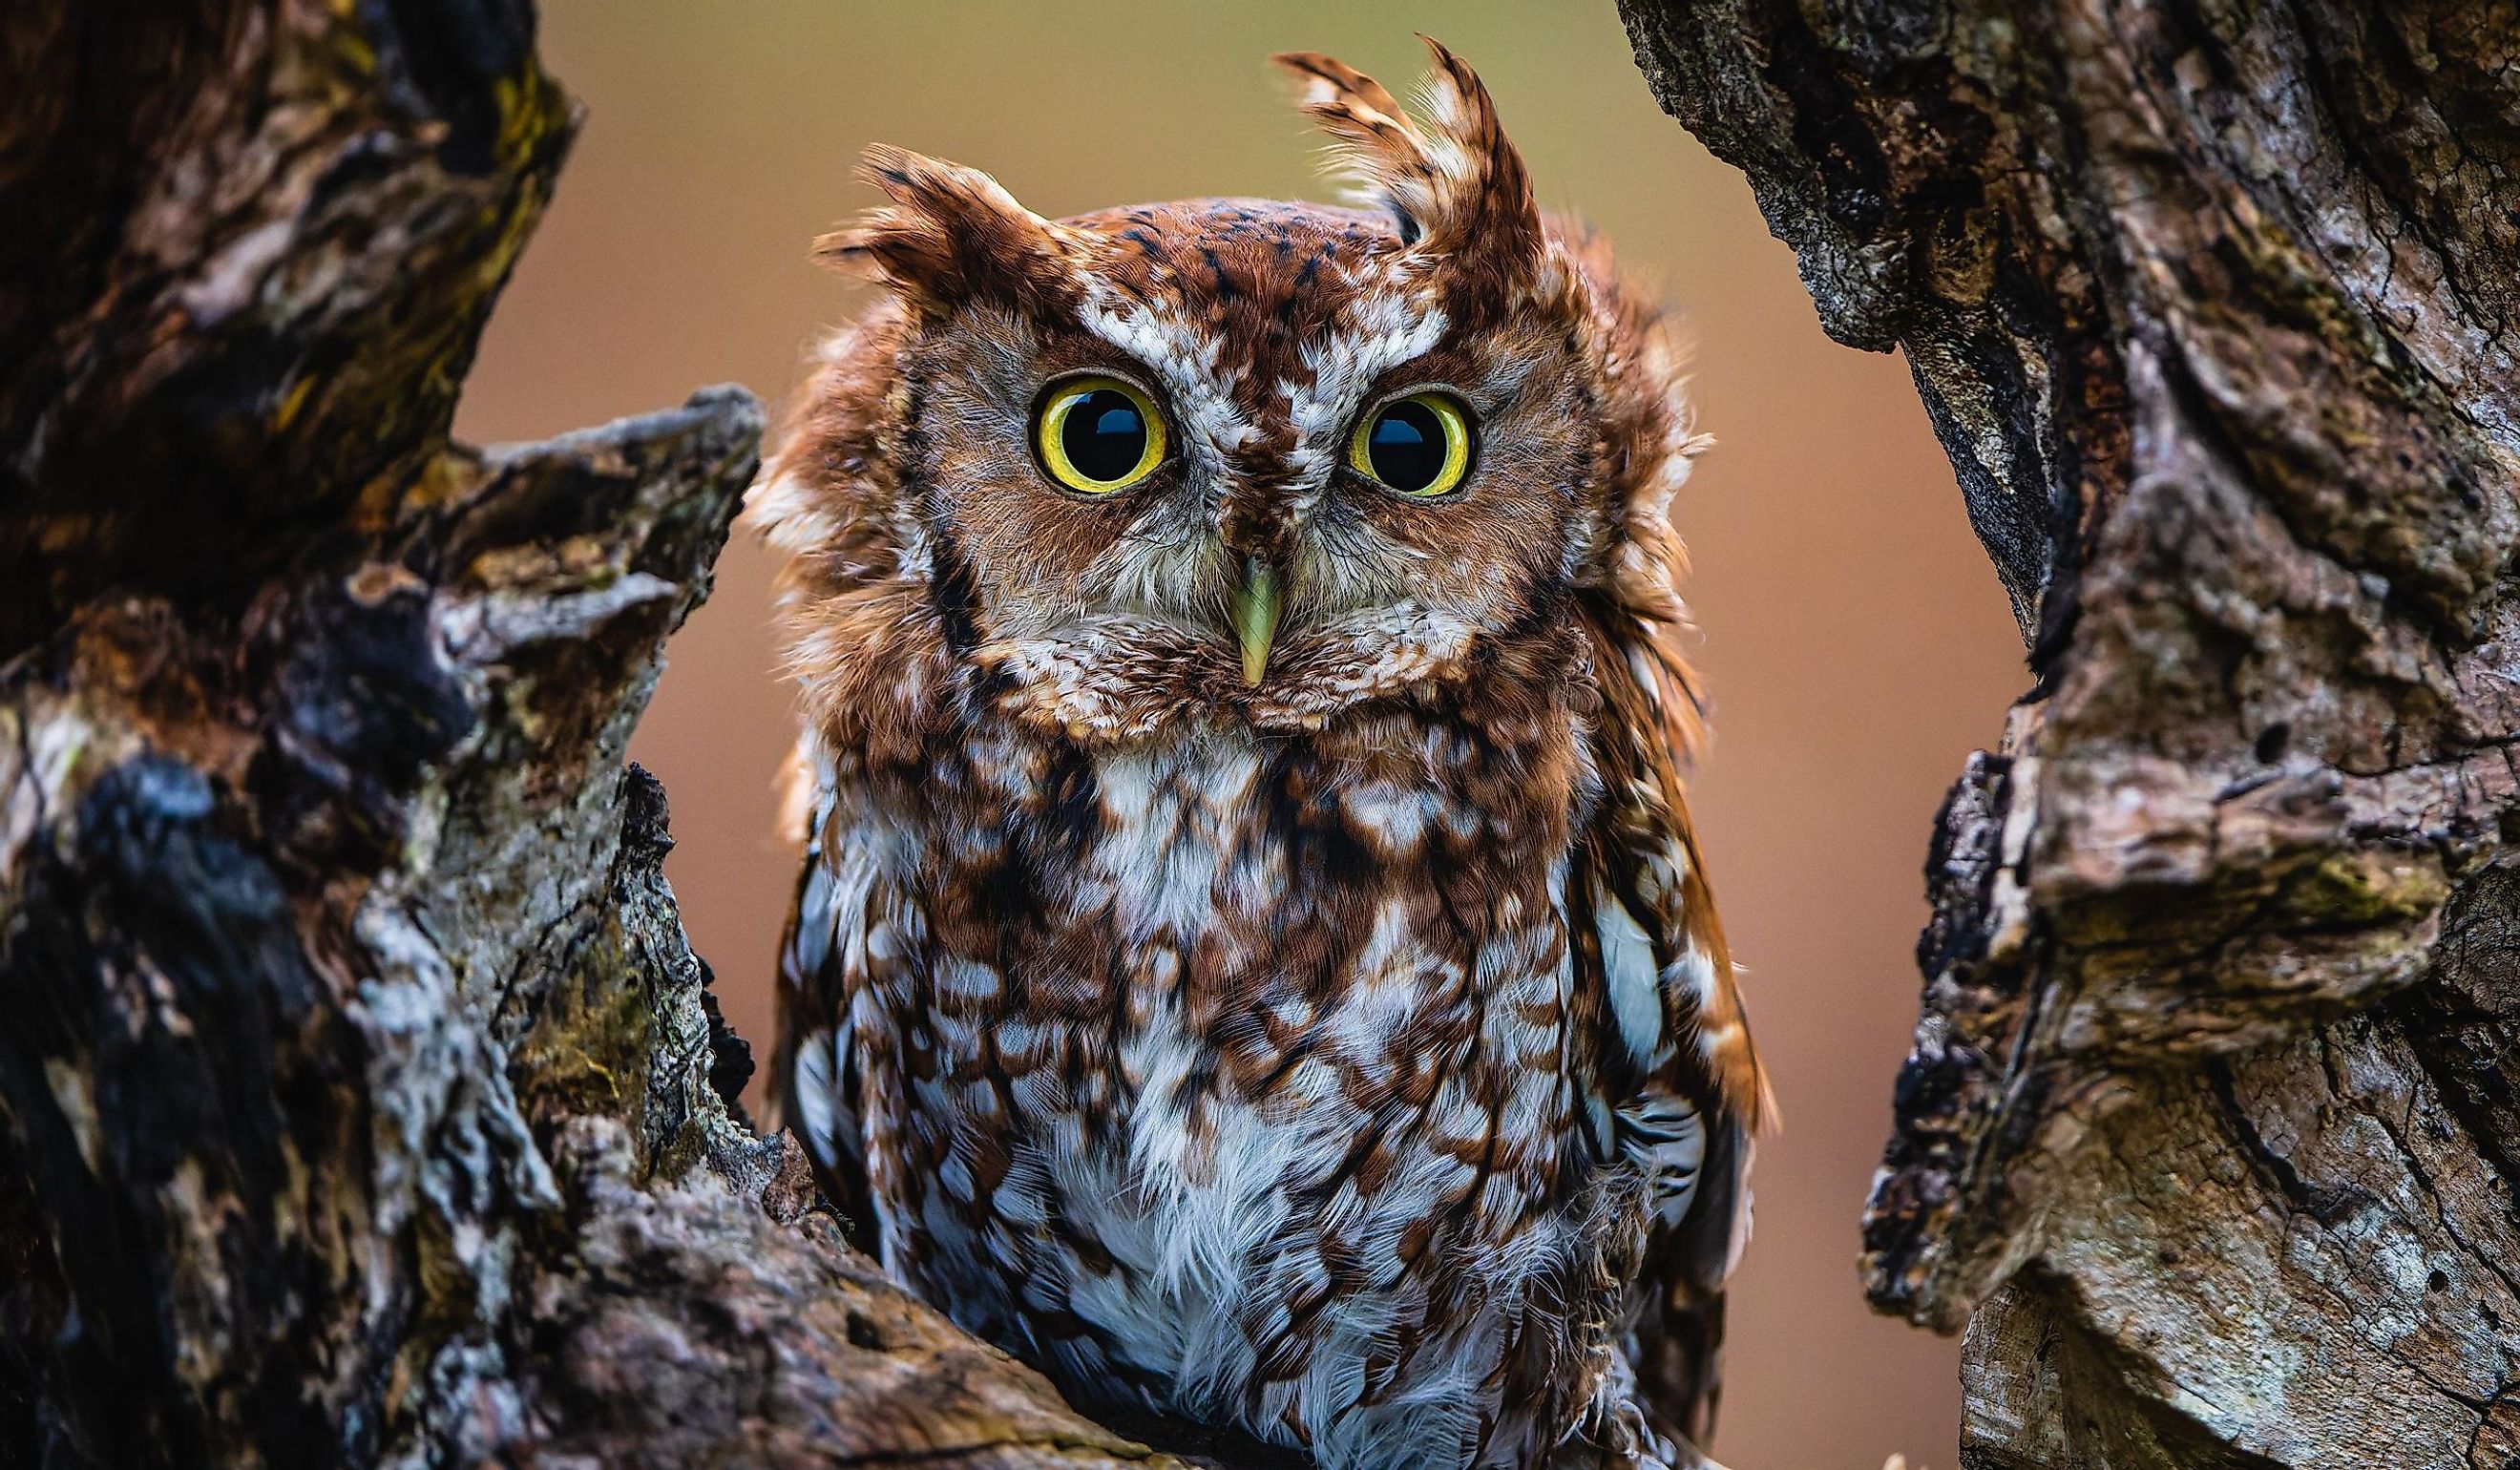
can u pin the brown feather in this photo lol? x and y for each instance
(951, 235)
(1456, 183)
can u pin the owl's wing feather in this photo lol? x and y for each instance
(815, 1072)
(1684, 1086)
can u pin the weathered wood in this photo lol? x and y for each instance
(355, 1092)
(2212, 1129)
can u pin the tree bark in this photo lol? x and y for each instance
(360, 1099)
(2211, 1133)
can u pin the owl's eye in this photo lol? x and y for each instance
(1098, 434)
(1418, 445)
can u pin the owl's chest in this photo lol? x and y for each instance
(1218, 936)
(1235, 1069)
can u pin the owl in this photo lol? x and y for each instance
(1251, 959)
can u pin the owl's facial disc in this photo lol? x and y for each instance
(1241, 461)
(1235, 461)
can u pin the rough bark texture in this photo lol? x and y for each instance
(2212, 1127)
(360, 1099)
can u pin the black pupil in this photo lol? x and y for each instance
(1105, 435)
(1407, 447)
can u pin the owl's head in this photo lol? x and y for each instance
(1233, 460)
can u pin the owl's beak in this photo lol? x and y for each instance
(1255, 608)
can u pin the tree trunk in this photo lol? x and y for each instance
(2212, 1129)
(360, 1101)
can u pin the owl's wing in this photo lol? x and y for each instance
(822, 962)
(1679, 1079)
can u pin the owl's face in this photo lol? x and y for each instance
(1250, 459)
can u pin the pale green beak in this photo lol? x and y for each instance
(1255, 609)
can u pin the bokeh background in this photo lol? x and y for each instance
(1854, 637)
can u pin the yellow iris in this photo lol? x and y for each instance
(1098, 434)
(1418, 445)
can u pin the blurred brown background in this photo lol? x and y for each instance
(1855, 638)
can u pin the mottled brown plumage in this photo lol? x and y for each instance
(1322, 1032)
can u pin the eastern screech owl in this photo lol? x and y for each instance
(1253, 960)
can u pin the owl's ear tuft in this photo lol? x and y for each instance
(1454, 185)
(950, 235)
